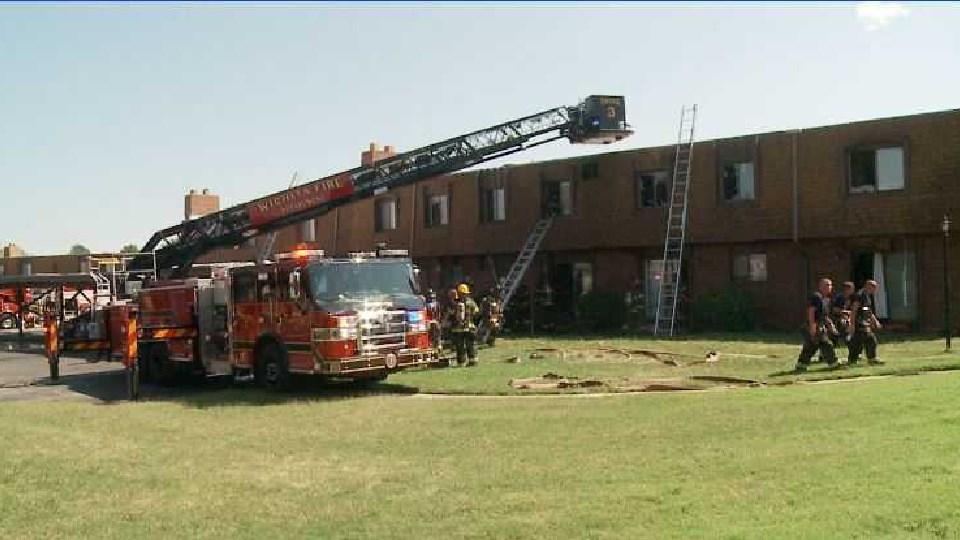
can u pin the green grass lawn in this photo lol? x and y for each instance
(766, 358)
(867, 459)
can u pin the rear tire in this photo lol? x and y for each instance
(272, 371)
(8, 321)
(160, 369)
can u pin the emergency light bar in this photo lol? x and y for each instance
(393, 253)
(300, 254)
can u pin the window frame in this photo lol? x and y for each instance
(638, 188)
(544, 182)
(874, 146)
(378, 225)
(749, 277)
(721, 179)
(428, 197)
(489, 182)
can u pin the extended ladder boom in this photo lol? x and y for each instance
(598, 119)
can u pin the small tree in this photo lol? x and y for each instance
(79, 249)
(130, 248)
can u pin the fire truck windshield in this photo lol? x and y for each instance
(347, 285)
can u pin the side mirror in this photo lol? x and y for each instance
(295, 286)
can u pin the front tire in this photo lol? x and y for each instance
(8, 321)
(272, 370)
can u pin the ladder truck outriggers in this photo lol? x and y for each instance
(359, 316)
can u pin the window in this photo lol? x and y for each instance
(26, 269)
(876, 169)
(385, 215)
(244, 287)
(582, 278)
(750, 267)
(437, 210)
(896, 277)
(493, 204)
(738, 181)
(652, 189)
(590, 170)
(308, 230)
(2, 269)
(556, 198)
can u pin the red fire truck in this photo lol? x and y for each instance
(9, 308)
(359, 317)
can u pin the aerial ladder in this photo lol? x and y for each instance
(599, 119)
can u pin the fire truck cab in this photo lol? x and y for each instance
(359, 317)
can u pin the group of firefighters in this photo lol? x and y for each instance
(461, 321)
(848, 317)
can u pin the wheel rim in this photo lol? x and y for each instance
(271, 372)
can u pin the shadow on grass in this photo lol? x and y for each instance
(111, 387)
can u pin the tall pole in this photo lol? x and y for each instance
(946, 279)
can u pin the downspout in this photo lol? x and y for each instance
(796, 190)
(336, 229)
(795, 185)
(413, 219)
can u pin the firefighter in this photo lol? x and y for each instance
(448, 316)
(464, 329)
(490, 315)
(865, 324)
(816, 327)
(840, 313)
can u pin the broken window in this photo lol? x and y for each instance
(493, 195)
(493, 204)
(437, 210)
(590, 170)
(556, 198)
(738, 181)
(750, 267)
(876, 169)
(385, 215)
(652, 189)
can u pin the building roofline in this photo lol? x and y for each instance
(577, 159)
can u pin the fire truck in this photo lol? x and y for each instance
(9, 308)
(360, 316)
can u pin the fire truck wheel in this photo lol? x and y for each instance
(7, 321)
(159, 367)
(272, 371)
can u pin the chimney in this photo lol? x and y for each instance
(375, 154)
(200, 204)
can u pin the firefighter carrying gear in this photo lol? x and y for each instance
(465, 311)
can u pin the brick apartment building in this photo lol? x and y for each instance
(769, 214)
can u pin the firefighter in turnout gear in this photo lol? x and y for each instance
(465, 311)
(817, 327)
(865, 324)
(840, 313)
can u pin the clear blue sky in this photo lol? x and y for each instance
(109, 113)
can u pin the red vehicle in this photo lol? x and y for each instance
(9, 308)
(360, 318)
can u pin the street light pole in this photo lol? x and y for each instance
(946, 278)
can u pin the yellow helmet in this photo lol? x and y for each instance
(463, 288)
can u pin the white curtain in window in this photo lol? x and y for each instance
(499, 204)
(881, 297)
(901, 274)
(388, 214)
(745, 180)
(308, 230)
(566, 198)
(889, 168)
